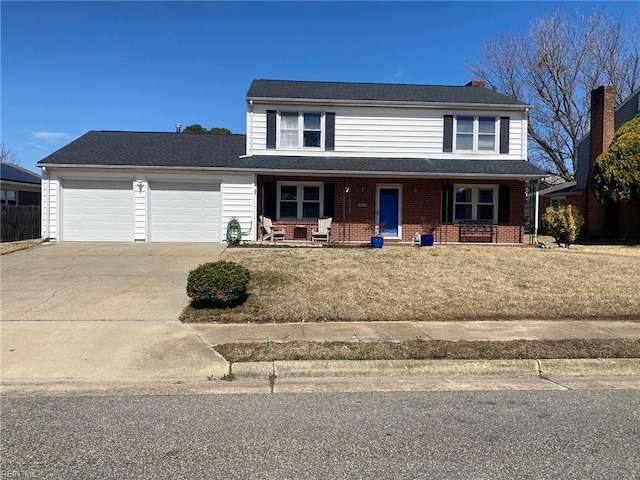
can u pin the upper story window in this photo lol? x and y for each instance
(468, 133)
(301, 130)
(475, 133)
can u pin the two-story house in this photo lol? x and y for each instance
(399, 156)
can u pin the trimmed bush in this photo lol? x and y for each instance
(563, 223)
(218, 282)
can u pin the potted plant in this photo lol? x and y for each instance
(426, 237)
(376, 239)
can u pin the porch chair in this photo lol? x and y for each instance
(324, 230)
(267, 232)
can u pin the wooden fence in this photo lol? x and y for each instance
(19, 222)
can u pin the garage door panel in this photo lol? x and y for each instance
(97, 210)
(184, 212)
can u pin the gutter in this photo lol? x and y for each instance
(404, 104)
(310, 172)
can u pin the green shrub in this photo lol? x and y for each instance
(563, 223)
(218, 282)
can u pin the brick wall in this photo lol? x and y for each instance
(355, 209)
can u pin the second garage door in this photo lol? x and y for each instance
(184, 212)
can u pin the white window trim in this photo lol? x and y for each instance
(300, 145)
(300, 199)
(476, 134)
(561, 198)
(474, 201)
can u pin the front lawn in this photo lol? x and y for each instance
(454, 282)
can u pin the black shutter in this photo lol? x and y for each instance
(504, 134)
(447, 204)
(504, 203)
(330, 131)
(271, 129)
(448, 134)
(270, 199)
(329, 199)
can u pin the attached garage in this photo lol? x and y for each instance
(184, 211)
(97, 210)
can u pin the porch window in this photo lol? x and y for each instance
(298, 201)
(475, 133)
(300, 130)
(557, 202)
(475, 203)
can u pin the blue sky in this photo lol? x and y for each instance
(71, 67)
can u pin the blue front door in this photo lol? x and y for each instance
(389, 203)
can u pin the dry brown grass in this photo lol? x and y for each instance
(430, 350)
(453, 282)
(10, 247)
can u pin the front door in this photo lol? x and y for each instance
(389, 211)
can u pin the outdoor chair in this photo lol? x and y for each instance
(324, 230)
(267, 231)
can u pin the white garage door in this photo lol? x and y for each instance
(95, 210)
(184, 212)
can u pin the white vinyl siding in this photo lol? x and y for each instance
(97, 210)
(184, 212)
(239, 201)
(234, 197)
(390, 132)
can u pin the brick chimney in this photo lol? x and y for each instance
(476, 83)
(603, 102)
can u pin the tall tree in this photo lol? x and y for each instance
(553, 68)
(197, 128)
(616, 173)
(7, 156)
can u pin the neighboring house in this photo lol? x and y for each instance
(20, 203)
(606, 118)
(396, 155)
(18, 186)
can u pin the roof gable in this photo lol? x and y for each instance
(377, 92)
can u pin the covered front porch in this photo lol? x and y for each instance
(453, 209)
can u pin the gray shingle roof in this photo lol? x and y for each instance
(382, 92)
(15, 173)
(412, 166)
(225, 152)
(150, 149)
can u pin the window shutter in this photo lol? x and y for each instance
(504, 203)
(329, 199)
(448, 134)
(330, 131)
(504, 134)
(271, 129)
(270, 199)
(447, 204)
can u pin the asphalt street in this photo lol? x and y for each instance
(583, 435)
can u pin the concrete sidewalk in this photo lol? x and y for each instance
(218, 334)
(40, 353)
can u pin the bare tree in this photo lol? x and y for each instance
(554, 67)
(7, 156)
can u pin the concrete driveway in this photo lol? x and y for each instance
(100, 281)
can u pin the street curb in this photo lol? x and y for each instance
(590, 367)
(414, 368)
